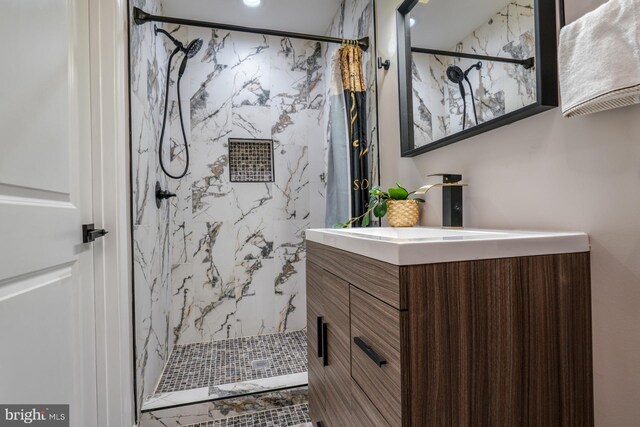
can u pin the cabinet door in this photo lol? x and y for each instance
(329, 375)
(337, 369)
(315, 319)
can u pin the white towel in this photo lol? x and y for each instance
(599, 59)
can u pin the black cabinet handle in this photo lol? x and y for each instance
(325, 338)
(380, 361)
(319, 334)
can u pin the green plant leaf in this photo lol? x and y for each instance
(376, 191)
(400, 186)
(398, 193)
(366, 220)
(380, 210)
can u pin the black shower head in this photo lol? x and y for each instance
(455, 74)
(189, 52)
(193, 48)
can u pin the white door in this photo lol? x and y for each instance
(47, 321)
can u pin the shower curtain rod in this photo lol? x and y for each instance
(140, 17)
(526, 63)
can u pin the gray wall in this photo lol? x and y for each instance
(550, 173)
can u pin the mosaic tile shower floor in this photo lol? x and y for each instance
(192, 366)
(289, 416)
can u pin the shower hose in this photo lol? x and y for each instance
(164, 122)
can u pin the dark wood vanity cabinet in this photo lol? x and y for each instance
(502, 342)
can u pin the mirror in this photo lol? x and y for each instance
(469, 66)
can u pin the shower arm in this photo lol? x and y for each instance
(140, 17)
(176, 42)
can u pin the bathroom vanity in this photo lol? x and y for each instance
(422, 326)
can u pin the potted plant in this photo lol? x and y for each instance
(396, 203)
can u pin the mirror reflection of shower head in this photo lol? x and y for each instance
(455, 74)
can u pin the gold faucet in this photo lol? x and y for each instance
(451, 198)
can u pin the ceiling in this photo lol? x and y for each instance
(440, 24)
(304, 16)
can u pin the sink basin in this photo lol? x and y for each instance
(426, 245)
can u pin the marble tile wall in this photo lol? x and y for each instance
(151, 226)
(238, 248)
(498, 88)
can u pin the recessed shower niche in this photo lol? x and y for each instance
(250, 160)
(257, 122)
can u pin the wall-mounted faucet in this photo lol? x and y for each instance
(451, 198)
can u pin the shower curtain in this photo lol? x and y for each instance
(356, 107)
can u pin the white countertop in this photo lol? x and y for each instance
(425, 245)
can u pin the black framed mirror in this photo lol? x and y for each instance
(467, 67)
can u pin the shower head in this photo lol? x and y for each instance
(455, 74)
(193, 48)
(189, 52)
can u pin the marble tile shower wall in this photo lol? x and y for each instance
(151, 242)
(499, 88)
(237, 264)
(238, 248)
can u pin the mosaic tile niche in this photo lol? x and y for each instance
(499, 88)
(250, 160)
(237, 257)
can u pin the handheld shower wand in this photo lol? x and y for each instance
(456, 75)
(189, 52)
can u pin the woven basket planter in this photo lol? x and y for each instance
(403, 213)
